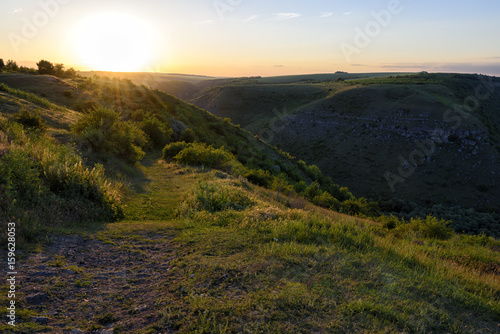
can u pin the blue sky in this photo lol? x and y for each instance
(256, 37)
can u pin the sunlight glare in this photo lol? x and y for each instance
(113, 42)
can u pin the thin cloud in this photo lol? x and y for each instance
(404, 66)
(324, 15)
(205, 22)
(286, 16)
(251, 18)
(347, 13)
(15, 10)
(279, 66)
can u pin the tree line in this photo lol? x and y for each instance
(44, 67)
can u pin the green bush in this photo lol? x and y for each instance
(390, 222)
(280, 185)
(258, 177)
(360, 206)
(43, 183)
(199, 154)
(159, 133)
(20, 176)
(188, 136)
(30, 120)
(313, 190)
(214, 198)
(172, 149)
(431, 227)
(107, 134)
(326, 200)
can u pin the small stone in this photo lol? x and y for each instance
(77, 331)
(42, 273)
(37, 298)
(68, 271)
(141, 308)
(107, 331)
(40, 320)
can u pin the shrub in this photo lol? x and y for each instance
(30, 119)
(280, 185)
(313, 172)
(300, 187)
(172, 149)
(20, 176)
(360, 206)
(43, 183)
(431, 227)
(312, 190)
(258, 177)
(107, 134)
(188, 136)
(326, 200)
(159, 133)
(214, 198)
(389, 222)
(199, 154)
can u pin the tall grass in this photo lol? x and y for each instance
(47, 184)
(353, 275)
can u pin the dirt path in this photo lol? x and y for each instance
(99, 283)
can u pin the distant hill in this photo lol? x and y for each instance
(182, 86)
(361, 131)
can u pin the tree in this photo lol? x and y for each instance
(11, 65)
(59, 70)
(45, 67)
(2, 64)
(71, 72)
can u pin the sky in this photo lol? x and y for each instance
(254, 37)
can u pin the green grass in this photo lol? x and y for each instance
(269, 268)
(29, 97)
(232, 257)
(305, 271)
(357, 130)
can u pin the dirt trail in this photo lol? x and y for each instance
(87, 285)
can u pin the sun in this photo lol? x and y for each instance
(113, 42)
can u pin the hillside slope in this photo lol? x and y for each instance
(260, 268)
(422, 138)
(209, 236)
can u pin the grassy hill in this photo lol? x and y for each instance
(213, 234)
(411, 141)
